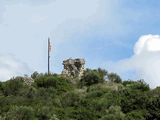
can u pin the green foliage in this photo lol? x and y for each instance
(102, 72)
(69, 99)
(43, 113)
(56, 97)
(20, 113)
(139, 85)
(143, 85)
(114, 113)
(133, 99)
(153, 106)
(12, 87)
(59, 83)
(114, 78)
(91, 77)
(35, 75)
(135, 115)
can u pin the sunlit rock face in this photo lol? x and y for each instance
(73, 67)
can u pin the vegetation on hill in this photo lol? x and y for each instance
(98, 95)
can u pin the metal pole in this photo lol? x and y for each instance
(48, 56)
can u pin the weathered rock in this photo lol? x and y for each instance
(73, 67)
(27, 80)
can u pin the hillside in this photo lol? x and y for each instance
(98, 95)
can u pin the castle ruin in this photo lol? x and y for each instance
(73, 67)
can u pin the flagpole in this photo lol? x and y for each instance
(48, 56)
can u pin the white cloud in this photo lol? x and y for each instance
(147, 43)
(11, 67)
(145, 61)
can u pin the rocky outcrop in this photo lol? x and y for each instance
(73, 67)
(27, 80)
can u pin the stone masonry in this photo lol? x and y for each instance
(73, 67)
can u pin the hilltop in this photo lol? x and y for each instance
(97, 95)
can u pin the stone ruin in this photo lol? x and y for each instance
(73, 67)
(27, 80)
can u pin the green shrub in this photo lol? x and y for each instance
(43, 113)
(102, 72)
(97, 93)
(114, 113)
(69, 99)
(20, 113)
(133, 99)
(128, 82)
(12, 87)
(91, 77)
(35, 75)
(53, 97)
(135, 115)
(140, 85)
(60, 83)
(153, 107)
(114, 78)
(28, 92)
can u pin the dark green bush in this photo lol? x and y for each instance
(69, 99)
(12, 87)
(20, 113)
(114, 113)
(102, 72)
(153, 107)
(135, 115)
(35, 75)
(43, 113)
(56, 97)
(133, 99)
(91, 77)
(139, 85)
(60, 83)
(114, 78)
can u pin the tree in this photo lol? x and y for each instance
(102, 72)
(113, 113)
(20, 113)
(43, 113)
(91, 77)
(35, 75)
(12, 86)
(60, 83)
(114, 78)
(135, 115)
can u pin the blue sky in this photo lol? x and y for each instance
(104, 32)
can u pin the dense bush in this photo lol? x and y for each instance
(91, 77)
(35, 75)
(135, 115)
(114, 78)
(114, 113)
(43, 113)
(12, 87)
(20, 113)
(59, 83)
(139, 85)
(55, 97)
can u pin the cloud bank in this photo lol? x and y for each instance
(145, 61)
(11, 67)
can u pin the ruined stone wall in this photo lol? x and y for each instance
(73, 67)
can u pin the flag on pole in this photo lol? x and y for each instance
(50, 47)
(49, 50)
